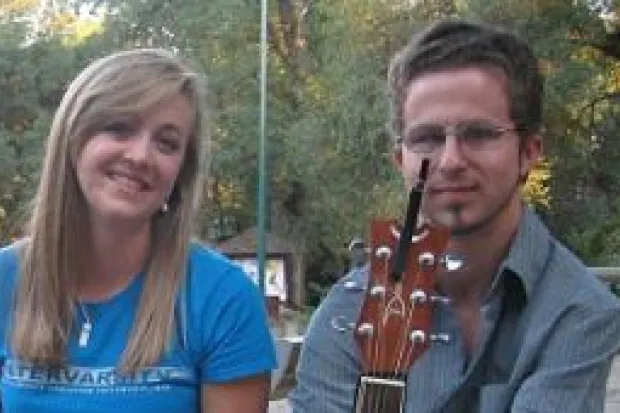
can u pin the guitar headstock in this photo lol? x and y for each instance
(394, 327)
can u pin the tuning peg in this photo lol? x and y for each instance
(342, 325)
(418, 337)
(452, 262)
(439, 299)
(351, 285)
(418, 297)
(426, 259)
(377, 291)
(383, 252)
(441, 338)
(366, 329)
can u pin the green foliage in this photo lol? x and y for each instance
(34, 70)
(599, 244)
(536, 189)
(329, 154)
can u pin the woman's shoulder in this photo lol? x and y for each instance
(209, 268)
(205, 258)
(9, 259)
(219, 293)
(9, 268)
(226, 318)
(12, 247)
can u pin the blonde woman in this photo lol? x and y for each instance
(107, 304)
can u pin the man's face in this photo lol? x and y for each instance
(474, 178)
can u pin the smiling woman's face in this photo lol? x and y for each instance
(127, 170)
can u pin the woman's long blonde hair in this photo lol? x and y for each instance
(122, 84)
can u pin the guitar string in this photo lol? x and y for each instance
(382, 391)
(406, 344)
(378, 395)
(365, 396)
(395, 354)
(361, 397)
(402, 339)
(375, 395)
(406, 352)
(383, 397)
(409, 324)
(401, 345)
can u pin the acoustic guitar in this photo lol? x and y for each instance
(394, 328)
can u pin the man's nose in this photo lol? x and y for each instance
(450, 156)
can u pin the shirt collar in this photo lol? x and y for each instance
(528, 253)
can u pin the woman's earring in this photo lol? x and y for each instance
(164, 207)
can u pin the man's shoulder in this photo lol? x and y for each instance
(341, 306)
(349, 289)
(569, 277)
(554, 276)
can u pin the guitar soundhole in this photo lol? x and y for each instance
(378, 394)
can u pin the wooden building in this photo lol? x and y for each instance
(284, 267)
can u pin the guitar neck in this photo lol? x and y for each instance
(380, 393)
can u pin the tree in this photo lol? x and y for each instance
(35, 66)
(328, 147)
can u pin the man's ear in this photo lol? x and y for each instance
(397, 158)
(531, 151)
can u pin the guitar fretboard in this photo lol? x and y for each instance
(380, 393)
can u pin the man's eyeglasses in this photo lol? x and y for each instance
(474, 136)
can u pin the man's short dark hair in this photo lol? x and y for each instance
(450, 44)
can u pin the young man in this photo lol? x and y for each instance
(531, 329)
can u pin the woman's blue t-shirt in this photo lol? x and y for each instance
(222, 335)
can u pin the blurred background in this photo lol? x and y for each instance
(328, 150)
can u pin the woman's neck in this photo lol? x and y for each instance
(114, 256)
